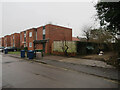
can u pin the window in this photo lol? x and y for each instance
(36, 34)
(43, 30)
(30, 44)
(24, 34)
(43, 36)
(13, 36)
(30, 34)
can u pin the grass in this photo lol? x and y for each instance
(108, 57)
(16, 52)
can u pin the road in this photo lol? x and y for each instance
(19, 73)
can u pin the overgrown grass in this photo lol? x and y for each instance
(16, 52)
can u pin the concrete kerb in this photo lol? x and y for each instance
(43, 62)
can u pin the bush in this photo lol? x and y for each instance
(25, 48)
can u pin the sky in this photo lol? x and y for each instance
(20, 16)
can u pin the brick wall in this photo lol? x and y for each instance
(31, 38)
(52, 32)
(21, 39)
(2, 42)
(57, 33)
(15, 40)
(7, 41)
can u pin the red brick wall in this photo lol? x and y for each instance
(11, 40)
(39, 37)
(7, 41)
(40, 33)
(31, 39)
(2, 42)
(17, 40)
(57, 33)
(21, 39)
(52, 32)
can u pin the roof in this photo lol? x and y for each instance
(75, 39)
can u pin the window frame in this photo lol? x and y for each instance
(30, 44)
(30, 34)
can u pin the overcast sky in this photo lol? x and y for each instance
(21, 16)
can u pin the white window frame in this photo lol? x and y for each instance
(43, 31)
(30, 44)
(30, 34)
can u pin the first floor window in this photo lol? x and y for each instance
(30, 34)
(30, 44)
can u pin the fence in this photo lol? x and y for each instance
(59, 45)
(76, 47)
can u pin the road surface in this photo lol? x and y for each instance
(19, 73)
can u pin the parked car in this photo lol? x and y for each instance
(11, 48)
(1, 49)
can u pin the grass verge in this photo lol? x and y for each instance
(16, 52)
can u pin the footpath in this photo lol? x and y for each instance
(92, 67)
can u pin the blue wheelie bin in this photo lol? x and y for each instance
(22, 53)
(30, 54)
(6, 51)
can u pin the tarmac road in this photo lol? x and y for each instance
(19, 73)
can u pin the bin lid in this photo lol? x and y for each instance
(22, 50)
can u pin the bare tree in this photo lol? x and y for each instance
(65, 46)
(86, 31)
(101, 36)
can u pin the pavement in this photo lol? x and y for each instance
(23, 73)
(93, 63)
(92, 67)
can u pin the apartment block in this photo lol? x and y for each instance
(15, 40)
(55, 33)
(41, 38)
(27, 37)
(2, 42)
(7, 41)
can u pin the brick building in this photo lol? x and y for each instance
(43, 37)
(2, 42)
(27, 37)
(7, 41)
(15, 40)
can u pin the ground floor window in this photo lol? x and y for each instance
(30, 44)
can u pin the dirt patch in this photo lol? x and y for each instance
(104, 57)
(108, 57)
